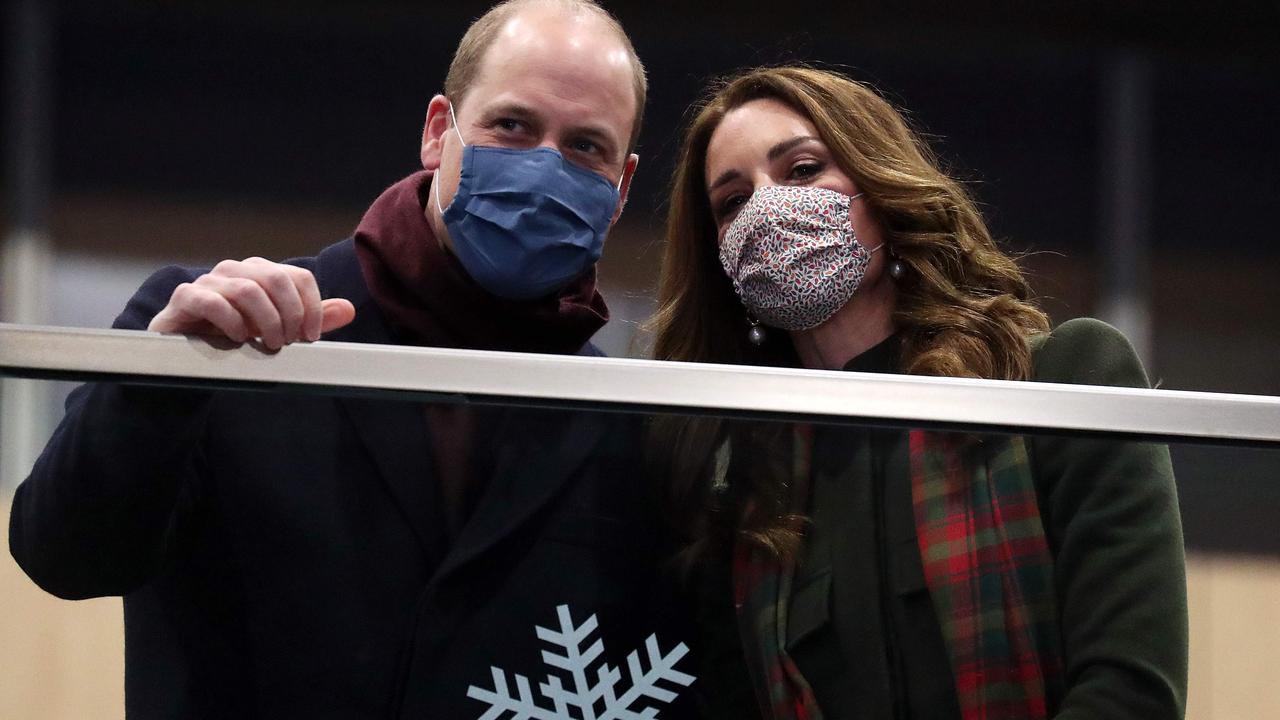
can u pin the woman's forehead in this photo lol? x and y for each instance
(747, 133)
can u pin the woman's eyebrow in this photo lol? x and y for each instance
(786, 145)
(773, 154)
(725, 177)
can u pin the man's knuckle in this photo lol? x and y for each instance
(301, 276)
(203, 304)
(241, 289)
(225, 267)
(309, 280)
(279, 279)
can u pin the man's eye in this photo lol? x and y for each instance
(586, 147)
(508, 124)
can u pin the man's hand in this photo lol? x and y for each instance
(254, 298)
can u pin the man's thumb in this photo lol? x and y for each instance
(337, 312)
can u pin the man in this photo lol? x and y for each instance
(304, 556)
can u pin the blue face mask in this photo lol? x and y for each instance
(525, 223)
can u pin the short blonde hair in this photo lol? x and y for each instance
(478, 38)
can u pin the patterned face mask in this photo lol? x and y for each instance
(792, 255)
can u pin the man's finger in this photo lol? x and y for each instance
(198, 310)
(309, 292)
(254, 305)
(279, 284)
(337, 313)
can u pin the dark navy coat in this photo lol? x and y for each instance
(283, 555)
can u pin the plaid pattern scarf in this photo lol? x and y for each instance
(762, 590)
(986, 564)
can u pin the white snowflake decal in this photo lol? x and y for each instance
(584, 697)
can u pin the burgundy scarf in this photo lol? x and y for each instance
(428, 298)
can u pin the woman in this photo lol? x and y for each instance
(892, 573)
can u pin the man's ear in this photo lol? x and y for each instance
(433, 132)
(628, 172)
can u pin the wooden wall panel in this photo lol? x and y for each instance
(58, 659)
(1235, 622)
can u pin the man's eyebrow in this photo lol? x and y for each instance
(786, 145)
(523, 112)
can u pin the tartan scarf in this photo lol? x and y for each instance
(986, 564)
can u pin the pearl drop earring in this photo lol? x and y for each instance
(756, 334)
(897, 268)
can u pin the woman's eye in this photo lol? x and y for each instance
(730, 205)
(805, 170)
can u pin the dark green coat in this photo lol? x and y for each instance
(861, 626)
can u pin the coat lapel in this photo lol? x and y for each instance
(395, 435)
(393, 431)
(536, 454)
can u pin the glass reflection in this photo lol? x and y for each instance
(361, 548)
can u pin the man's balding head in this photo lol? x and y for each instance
(468, 59)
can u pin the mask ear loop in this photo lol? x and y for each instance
(897, 268)
(435, 193)
(456, 129)
(435, 186)
(622, 203)
(874, 249)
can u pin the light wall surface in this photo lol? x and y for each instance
(62, 659)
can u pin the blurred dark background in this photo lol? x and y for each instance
(322, 102)
(1130, 147)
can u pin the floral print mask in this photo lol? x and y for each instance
(793, 256)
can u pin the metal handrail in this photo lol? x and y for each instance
(654, 386)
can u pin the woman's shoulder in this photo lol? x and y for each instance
(1086, 351)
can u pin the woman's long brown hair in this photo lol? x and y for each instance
(963, 308)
